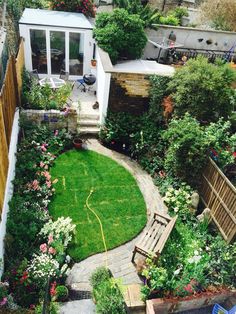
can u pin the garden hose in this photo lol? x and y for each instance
(100, 223)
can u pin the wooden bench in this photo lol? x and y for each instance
(155, 236)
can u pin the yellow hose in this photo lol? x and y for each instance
(100, 223)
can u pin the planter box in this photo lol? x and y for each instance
(55, 119)
(165, 306)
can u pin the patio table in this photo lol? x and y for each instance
(53, 82)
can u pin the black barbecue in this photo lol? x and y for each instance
(88, 79)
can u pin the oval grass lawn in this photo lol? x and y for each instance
(116, 199)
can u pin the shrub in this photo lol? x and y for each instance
(146, 13)
(169, 20)
(61, 293)
(120, 34)
(179, 201)
(187, 149)
(203, 90)
(82, 6)
(35, 96)
(106, 292)
(100, 275)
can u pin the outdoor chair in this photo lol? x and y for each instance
(64, 75)
(34, 75)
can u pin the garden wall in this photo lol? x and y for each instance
(129, 92)
(165, 306)
(193, 38)
(55, 119)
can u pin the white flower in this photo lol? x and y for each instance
(177, 271)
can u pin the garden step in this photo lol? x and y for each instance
(89, 117)
(88, 130)
(83, 122)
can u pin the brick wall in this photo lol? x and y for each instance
(129, 92)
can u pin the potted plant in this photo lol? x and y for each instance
(93, 62)
(78, 143)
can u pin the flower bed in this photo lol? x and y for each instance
(35, 246)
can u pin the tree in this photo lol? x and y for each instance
(222, 14)
(120, 34)
(203, 89)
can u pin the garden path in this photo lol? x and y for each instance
(118, 259)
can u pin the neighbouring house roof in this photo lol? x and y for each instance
(143, 67)
(55, 18)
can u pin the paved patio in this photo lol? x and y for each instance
(118, 259)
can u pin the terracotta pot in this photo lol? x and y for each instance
(78, 143)
(93, 62)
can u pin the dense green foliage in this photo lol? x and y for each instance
(203, 90)
(116, 199)
(35, 96)
(120, 34)
(107, 292)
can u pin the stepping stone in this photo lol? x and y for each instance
(78, 307)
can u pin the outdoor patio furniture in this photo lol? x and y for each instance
(155, 236)
(64, 75)
(217, 309)
(53, 82)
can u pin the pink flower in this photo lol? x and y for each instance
(56, 132)
(43, 248)
(50, 238)
(42, 164)
(52, 251)
(4, 301)
(43, 147)
(49, 184)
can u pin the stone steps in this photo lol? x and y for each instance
(88, 130)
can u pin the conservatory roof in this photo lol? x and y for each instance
(55, 18)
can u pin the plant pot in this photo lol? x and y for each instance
(93, 62)
(78, 143)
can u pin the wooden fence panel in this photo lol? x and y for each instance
(3, 158)
(9, 100)
(219, 194)
(20, 62)
(9, 97)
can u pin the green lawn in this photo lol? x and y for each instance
(116, 199)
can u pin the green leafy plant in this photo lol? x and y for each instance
(61, 293)
(35, 96)
(187, 149)
(203, 90)
(107, 292)
(179, 201)
(120, 34)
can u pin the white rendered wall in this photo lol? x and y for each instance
(9, 185)
(103, 88)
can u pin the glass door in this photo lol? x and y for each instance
(57, 51)
(38, 50)
(76, 53)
